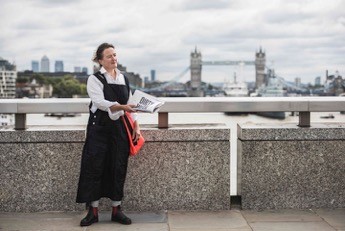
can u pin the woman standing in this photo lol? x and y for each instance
(106, 149)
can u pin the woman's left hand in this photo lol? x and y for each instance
(136, 133)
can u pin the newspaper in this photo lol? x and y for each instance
(145, 102)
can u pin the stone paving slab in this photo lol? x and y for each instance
(280, 215)
(40, 221)
(60, 221)
(291, 226)
(109, 226)
(334, 217)
(229, 220)
(292, 219)
(206, 220)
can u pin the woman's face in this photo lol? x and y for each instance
(109, 59)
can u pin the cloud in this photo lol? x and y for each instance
(341, 20)
(53, 3)
(202, 5)
(302, 37)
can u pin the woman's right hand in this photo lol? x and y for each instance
(124, 107)
(128, 107)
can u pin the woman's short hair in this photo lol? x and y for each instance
(99, 52)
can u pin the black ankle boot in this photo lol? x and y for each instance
(91, 217)
(118, 216)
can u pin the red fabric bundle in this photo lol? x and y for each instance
(134, 147)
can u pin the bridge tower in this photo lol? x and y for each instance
(195, 74)
(260, 63)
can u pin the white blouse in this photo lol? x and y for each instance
(95, 91)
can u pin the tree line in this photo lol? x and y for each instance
(63, 87)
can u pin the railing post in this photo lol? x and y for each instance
(163, 120)
(20, 121)
(304, 119)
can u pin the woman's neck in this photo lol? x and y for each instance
(111, 72)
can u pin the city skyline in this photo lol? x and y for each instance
(301, 38)
(57, 66)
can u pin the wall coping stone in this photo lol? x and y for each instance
(76, 134)
(289, 131)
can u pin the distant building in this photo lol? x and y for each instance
(153, 75)
(84, 70)
(77, 69)
(334, 85)
(339, 84)
(95, 68)
(59, 66)
(8, 76)
(298, 82)
(34, 90)
(318, 81)
(134, 79)
(260, 62)
(45, 64)
(35, 66)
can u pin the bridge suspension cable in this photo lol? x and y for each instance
(284, 82)
(290, 85)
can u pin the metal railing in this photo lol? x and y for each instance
(303, 105)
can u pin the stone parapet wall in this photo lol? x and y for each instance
(285, 166)
(180, 168)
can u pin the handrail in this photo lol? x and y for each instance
(303, 105)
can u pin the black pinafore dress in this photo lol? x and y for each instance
(106, 150)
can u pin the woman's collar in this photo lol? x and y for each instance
(103, 71)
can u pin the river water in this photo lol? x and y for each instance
(187, 118)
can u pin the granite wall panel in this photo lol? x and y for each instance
(186, 168)
(180, 175)
(300, 173)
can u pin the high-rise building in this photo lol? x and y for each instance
(77, 69)
(84, 70)
(45, 64)
(318, 81)
(58, 66)
(298, 82)
(8, 76)
(35, 66)
(153, 75)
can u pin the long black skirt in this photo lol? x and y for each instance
(104, 163)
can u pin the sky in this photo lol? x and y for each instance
(301, 38)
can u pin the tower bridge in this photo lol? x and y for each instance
(195, 68)
(222, 63)
(196, 64)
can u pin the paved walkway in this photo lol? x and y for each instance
(232, 220)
